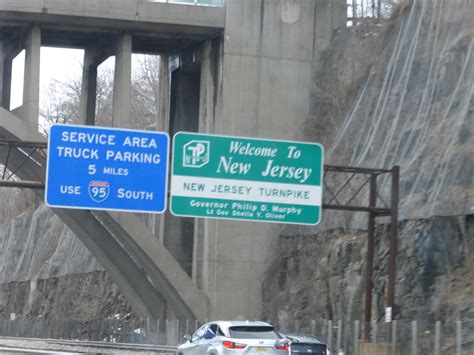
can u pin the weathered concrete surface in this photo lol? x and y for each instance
(156, 27)
(31, 83)
(255, 83)
(17, 127)
(123, 82)
(131, 10)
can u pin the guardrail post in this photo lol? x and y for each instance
(356, 337)
(414, 338)
(177, 331)
(437, 337)
(339, 335)
(329, 335)
(373, 348)
(458, 337)
(393, 345)
(313, 327)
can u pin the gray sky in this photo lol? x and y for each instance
(56, 64)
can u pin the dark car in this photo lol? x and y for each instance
(306, 344)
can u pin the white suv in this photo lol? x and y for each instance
(236, 337)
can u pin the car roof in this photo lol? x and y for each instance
(227, 324)
(303, 338)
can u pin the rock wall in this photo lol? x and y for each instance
(321, 275)
(46, 272)
(394, 92)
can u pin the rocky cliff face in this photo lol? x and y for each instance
(47, 272)
(399, 92)
(321, 275)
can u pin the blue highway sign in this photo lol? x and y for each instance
(101, 168)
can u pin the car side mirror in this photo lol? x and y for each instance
(188, 338)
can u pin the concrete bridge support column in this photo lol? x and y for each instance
(123, 83)
(256, 82)
(88, 88)
(31, 83)
(5, 77)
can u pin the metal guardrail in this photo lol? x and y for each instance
(37, 344)
(217, 3)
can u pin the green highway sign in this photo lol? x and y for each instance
(246, 178)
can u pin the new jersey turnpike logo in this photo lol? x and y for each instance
(196, 154)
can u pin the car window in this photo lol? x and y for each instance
(253, 332)
(213, 328)
(209, 333)
(216, 330)
(199, 333)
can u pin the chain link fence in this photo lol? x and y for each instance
(343, 337)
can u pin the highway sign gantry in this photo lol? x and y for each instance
(101, 168)
(246, 179)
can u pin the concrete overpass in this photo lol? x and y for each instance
(244, 69)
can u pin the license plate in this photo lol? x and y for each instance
(260, 350)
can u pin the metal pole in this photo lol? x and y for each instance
(369, 269)
(392, 257)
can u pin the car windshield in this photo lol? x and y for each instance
(253, 332)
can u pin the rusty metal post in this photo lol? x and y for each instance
(393, 248)
(369, 269)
